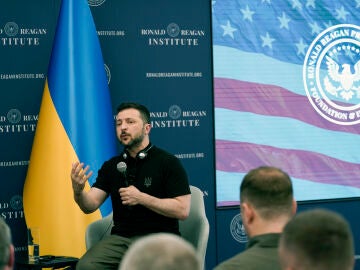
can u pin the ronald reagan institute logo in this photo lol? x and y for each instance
(95, 3)
(331, 74)
(237, 229)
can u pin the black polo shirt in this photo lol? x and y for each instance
(159, 174)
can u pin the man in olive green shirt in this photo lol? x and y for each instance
(266, 205)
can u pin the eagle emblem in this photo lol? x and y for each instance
(344, 79)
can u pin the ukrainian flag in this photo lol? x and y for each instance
(75, 123)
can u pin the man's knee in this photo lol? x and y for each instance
(85, 264)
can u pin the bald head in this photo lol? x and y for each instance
(160, 251)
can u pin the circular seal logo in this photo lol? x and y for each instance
(11, 29)
(95, 3)
(237, 229)
(173, 30)
(174, 111)
(331, 74)
(14, 116)
(16, 202)
(108, 74)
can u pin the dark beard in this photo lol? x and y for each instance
(135, 142)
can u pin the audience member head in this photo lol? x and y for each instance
(266, 200)
(7, 255)
(318, 240)
(160, 251)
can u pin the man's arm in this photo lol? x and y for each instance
(91, 200)
(177, 207)
(88, 201)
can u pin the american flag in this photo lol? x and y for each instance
(262, 113)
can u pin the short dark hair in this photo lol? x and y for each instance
(269, 190)
(319, 239)
(144, 112)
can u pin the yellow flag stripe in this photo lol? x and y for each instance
(48, 196)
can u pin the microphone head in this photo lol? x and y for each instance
(121, 167)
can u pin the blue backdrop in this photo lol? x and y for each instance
(156, 52)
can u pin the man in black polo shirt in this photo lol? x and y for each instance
(149, 189)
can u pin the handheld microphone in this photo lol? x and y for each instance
(121, 167)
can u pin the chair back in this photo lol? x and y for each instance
(195, 228)
(96, 230)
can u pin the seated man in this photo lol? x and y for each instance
(317, 240)
(267, 204)
(148, 187)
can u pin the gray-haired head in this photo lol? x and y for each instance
(160, 251)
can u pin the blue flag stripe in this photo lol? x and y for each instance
(80, 93)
